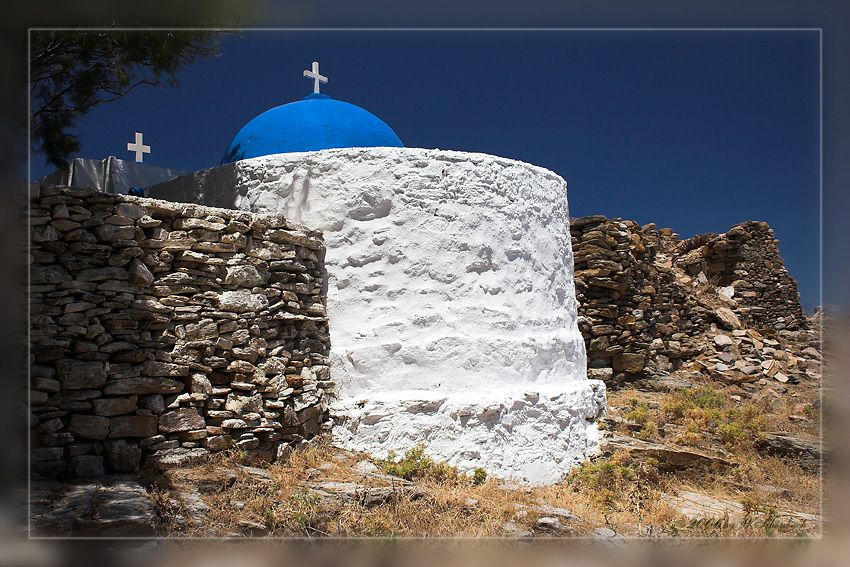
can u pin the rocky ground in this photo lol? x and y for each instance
(727, 445)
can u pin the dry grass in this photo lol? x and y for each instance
(618, 492)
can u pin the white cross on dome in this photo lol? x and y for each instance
(139, 148)
(317, 78)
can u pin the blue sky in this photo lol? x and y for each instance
(693, 130)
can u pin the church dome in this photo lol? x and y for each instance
(316, 122)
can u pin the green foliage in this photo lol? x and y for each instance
(155, 480)
(648, 431)
(302, 507)
(700, 397)
(606, 479)
(742, 424)
(639, 415)
(732, 433)
(479, 476)
(811, 412)
(73, 71)
(381, 526)
(417, 465)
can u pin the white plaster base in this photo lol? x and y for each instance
(531, 435)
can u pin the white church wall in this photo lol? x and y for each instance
(450, 296)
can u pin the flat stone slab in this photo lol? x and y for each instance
(697, 505)
(668, 456)
(805, 451)
(107, 507)
(367, 496)
(178, 457)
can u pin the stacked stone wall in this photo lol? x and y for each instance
(747, 259)
(162, 331)
(643, 300)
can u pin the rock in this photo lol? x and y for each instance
(219, 442)
(88, 426)
(123, 456)
(548, 523)
(157, 369)
(561, 513)
(669, 457)
(177, 457)
(723, 341)
(604, 532)
(365, 467)
(248, 444)
(664, 383)
(45, 234)
(46, 454)
(87, 466)
(514, 530)
(811, 353)
(283, 452)
(604, 374)
(697, 505)
(155, 403)
(119, 508)
(111, 232)
(51, 426)
(150, 441)
(252, 528)
(102, 274)
(805, 451)
(241, 302)
(114, 406)
(768, 400)
(770, 368)
(727, 318)
(201, 384)
(130, 210)
(183, 419)
(79, 374)
(370, 497)
(132, 426)
(244, 275)
(143, 386)
(243, 404)
(628, 362)
(139, 273)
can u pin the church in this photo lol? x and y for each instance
(450, 293)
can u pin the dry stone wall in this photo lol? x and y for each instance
(643, 300)
(747, 259)
(162, 331)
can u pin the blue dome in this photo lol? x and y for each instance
(317, 122)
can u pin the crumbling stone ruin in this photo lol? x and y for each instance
(645, 297)
(162, 331)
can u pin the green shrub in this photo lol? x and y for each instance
(479, 475)
(700, 397)
(417, 465)
(639, 415)
(155, 480)
(302, 507)
(742, 424)
(647, 431)
(811, 412)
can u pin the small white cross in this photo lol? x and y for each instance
(139, 148)
(317, 78)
